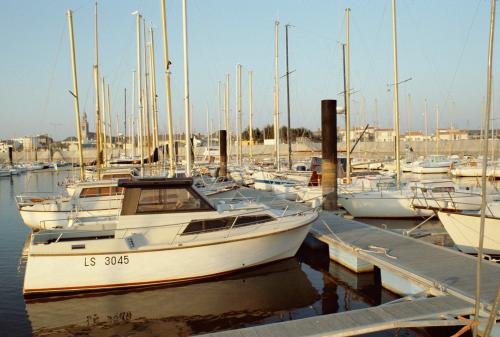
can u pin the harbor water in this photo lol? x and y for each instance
(304, 286)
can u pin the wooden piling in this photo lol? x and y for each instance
(223, 153)
(329, 153)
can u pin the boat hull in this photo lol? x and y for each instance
(48, 273)
(430, 170)
(464, 231)
(55, 214)
(39, 220)
(381, 205)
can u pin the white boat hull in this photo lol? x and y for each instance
(78, 270)
(391, 204)
(430, 170)
(475, 172)
(464, 231)
(38, 220)
(54, 214)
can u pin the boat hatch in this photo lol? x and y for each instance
(210, 225)
(161, 195)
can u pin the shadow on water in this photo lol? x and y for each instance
(307, 285)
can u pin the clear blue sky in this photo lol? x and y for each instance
(442, 46)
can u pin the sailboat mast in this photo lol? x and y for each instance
(139, 91)
(219, 104)
(97, 102)
(110, 132)
(125, 121)
(347, 97)
(396, 91)
(132, 117)
(288, 136)
(437, 129)
(487, 116)
(146, 91)
(276, 97)
(168, 97)
(426, 109)
(153, 88)
(186, 89)
(238, 112)
(250, 111)
(104, 121)
(75, 92)
(226, 112)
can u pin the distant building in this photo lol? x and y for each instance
(452, 134)
(34, 142)
(414, 136)
(5, 144)
(384, 135)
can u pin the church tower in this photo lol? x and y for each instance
(85, 128)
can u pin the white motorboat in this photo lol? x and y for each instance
(373, 182)
(35, 166)
(112, 173)
(463, 229)
(90, 199)
(4, 172)
(265, 180)
(475, 169)
(433, 164)
(167, 232)
(412, 200)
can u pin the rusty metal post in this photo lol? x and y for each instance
(329, 153)
(223, 153)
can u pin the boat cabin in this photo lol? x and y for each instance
(161, 195)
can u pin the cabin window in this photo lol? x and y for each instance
(211, 225)
(170, 199)
(443, 189)
(116, 176)
(89, 192)
(104, 191)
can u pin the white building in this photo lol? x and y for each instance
(414, 136)
(384, 135)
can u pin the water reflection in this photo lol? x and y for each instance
(200, 307)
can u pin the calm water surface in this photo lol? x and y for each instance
(307, 285)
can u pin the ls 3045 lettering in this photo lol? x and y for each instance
(108, 260)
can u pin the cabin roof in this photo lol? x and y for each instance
(154, 182)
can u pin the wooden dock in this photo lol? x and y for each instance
(443, 272)
(435, 267)
(418, 313)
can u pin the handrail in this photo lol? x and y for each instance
(148, 228)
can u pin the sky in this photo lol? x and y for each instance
(442, 47)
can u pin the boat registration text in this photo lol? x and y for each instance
(107, 260)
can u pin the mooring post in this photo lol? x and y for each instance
(329, 153)
(11, 161)
(176, 150)
(223, 153)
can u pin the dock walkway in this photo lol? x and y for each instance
(440, 271)
(424, 312)
(439, 268)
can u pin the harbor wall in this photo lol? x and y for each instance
(366, 150)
